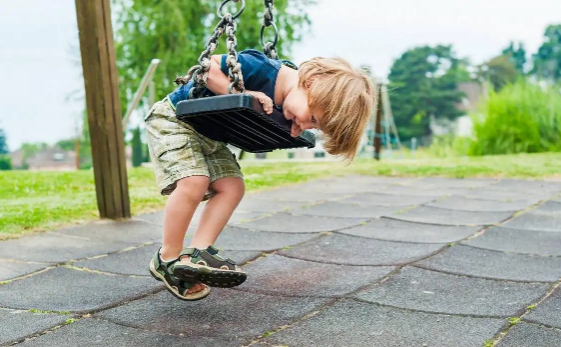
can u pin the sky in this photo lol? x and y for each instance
(40, 60)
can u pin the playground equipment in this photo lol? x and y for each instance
(237, 118)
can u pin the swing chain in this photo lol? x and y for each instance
(269, 48)
(234, 67)
(200, 72)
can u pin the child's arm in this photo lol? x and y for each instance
(218, 83)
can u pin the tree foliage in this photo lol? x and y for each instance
(547, 61)
(175, 31)
(516, 54)
(499, 71)
(423, 83)
(5, 162)
(3, 143)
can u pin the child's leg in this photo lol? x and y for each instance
(229, 192)
(228, 188)
(182, 173)
(180, 207)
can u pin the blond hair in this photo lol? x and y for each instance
(346, 97)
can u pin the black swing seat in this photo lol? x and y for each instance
(239, 120)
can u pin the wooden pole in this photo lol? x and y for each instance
(378, 124)
(103, 106)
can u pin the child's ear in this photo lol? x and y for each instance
(308, 84)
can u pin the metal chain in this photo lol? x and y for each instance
(200, 72)
(234, 67)
(269, 48)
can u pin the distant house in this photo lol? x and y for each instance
(17, 159)
(52, 159)
(474, 92)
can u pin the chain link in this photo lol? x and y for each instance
(269, 48)
(199, 73)
(234, 67)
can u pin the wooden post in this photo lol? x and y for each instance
(378, 124)
(103, 106)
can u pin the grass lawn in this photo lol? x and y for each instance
(38, 201)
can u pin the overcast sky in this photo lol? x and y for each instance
(38, 70)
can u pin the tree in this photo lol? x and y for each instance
(175, 31)
(423, 83)
(547, 61)
(516, 53)
(5, 162)
(499, 71)
(137, 156)
(3, 143)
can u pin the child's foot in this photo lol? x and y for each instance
(209, 267)
(184, 290)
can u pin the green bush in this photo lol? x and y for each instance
(521, 118)
(5, 162)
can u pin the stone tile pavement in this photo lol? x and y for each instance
(354, 261)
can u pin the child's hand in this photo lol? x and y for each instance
(296, 130)
(265, 101)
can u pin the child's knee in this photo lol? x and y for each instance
(193, 188)
(233, 186)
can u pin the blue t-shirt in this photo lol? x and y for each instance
(259, 74)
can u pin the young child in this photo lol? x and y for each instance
(327, 94)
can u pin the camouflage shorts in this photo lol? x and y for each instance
(177, 151)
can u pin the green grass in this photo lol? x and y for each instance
(39, 201)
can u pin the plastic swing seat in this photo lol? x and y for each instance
(239, 120)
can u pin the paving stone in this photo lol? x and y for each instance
(519, 241)
(275, 274)
(350, 323)
(255, 204)
(158, 218)
(298, 194)
(431, 291)
(56, 248)
(548, 312)
(346, 210)
(397, 230)
(16, 325)
(379, 199)
(534, 221)
(225, 314)
(134, 232)
(63, 289)
(529, 335)
(428, 192)
(477, 262)
(13, 269)
(433, 215)
(129, 262)
(355, 184)
(439, 182)
(94, 332)
(233, 238)
(244, 217)
(528, 186)
(505, 195)
(342, 249)
(287, 223)
(461, 203)
(552, 208)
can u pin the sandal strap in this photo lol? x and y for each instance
(159, 262)
(191, 252)
(217, 256)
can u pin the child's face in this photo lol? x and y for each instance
(295, 108)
